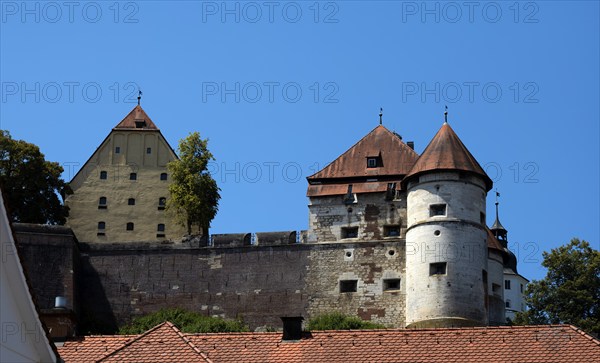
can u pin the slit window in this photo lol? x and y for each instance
(391, 231)
(506, 284)
(131, 201)
(437, 268)
(129, 226)
(391, 285)
(437, 210)
(160, 230)
(162, 203)
(103, 175)
(101, 228)
(102, 203)
(348, 285)
(163, 176)
(508, 304)
(133, 176)
(349, 232)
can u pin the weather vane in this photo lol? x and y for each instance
(446, 114)
(380, 115)
(139, 96)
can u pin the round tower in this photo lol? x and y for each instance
(446, 238)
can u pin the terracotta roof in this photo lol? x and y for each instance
(92, 348)
(342, 188)
(447, 152)
(137, 114)
(524, 344)
(396, 156)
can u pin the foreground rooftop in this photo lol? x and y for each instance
(165, 343)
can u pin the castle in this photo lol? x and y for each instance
(394, 237)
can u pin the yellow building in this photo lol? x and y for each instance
(119, 195)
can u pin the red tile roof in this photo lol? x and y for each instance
(137, 114)
(397, 157)
(92, 348)
(523, 344)
(492, 241)
(447, 152)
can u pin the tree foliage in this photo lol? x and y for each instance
(186, 321)
(570, 292)
(194, 193)
(339, 321)
(31, 185)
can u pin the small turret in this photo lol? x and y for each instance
(497, 229)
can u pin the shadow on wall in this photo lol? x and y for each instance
(96, 315)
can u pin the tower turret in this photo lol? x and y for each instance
(446, 238)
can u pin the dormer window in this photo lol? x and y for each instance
(372, 162)
(140, 124)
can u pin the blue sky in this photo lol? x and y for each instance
(282, 88)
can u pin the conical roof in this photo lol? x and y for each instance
(137, 119)
(396, 157)
(447, 152)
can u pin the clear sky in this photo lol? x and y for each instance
(282, 88)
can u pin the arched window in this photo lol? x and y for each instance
(102, 203)
(162, 203)
(103, 175)
(130, 226)
(163, 176)
(101, 225)
(131, 201)
(133, 176)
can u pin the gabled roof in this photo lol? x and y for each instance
(397, 158)
(163, 343)
(523, 344)
(447, 152)
(137, 114)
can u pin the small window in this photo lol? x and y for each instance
(163, 176)
(139, 124)
(506, 284)
(162, 202)
(101, 228)
(496, 289)
(521, 288)
(391, 284)
(131, 201)
(148, 150)
(508, 303)
(437, 210)
(130, 226)
(102, 203)
(438, 268)
(348, 285)
(103, 175)
(117, 150)
(372, 162)
(349, 232)
(391, 231)
(160, 227)
(133, 176)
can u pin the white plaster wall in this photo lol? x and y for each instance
(514, 294)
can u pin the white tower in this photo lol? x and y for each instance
(446, 239)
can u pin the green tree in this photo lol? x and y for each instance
(31, 185)
(339, 321)
(194, 193)
(186, 321)
(570, 292)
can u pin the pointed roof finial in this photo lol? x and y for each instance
(139, 96)
(446, 115)
(380, 115)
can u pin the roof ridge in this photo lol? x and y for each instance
(188, 341)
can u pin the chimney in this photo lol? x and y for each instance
(292, 328)
(411, 144)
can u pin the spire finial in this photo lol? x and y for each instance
(446, 115)
(497, 196)
(139, 96)
(381, 115)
